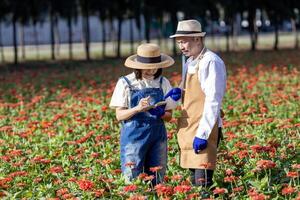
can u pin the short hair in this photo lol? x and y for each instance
(138, 73)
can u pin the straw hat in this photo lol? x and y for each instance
(188, 28)
(148, 57)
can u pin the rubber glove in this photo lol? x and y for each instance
(174, 93)
(199, 144)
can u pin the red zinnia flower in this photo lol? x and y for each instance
(137, 197)
(219, 191)
(85, 184)
(182, 188)
(56, 169)
(292, 174)
(265, 164)
(230, 179)
(288, 190)
(155, 169)
(130, 188)
(163, 190)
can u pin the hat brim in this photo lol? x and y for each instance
(166, 61)
(202, 34)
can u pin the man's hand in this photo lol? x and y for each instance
(174, 93)
(158, 111)
(199, 144)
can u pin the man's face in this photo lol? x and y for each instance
(189, 46)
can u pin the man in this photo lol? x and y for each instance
(204, 86)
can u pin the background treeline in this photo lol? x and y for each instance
(143, 14)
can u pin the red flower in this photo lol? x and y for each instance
(137, 197)
(193, 196)
(230, 179)
(56, 169)
(104, 108)
(99, 192)
(176, 177)
(296, 166)
(149, 178)
(238, 189)
(292, 174)
(288, 190)
(163, 190)
(265, 164)
(85, 184)
(182, 188)
(62, 191)
(219, 190)
(229, 172)
(254, 195)
(130, 188)
(155, 169)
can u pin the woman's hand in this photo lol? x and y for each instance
(143, 104)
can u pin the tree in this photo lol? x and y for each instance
(54, 6)
(85, 12)
(37, 10)
(68, 11)
(277, 12)
(3, 12)
(19, 13)
(103, 9)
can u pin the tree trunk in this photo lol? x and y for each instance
(86, 31)
(103, 39)
(69, 23)
(56, 36)
(276, 35)
(52, 35)
(1, 44)
(147, 25)
(120, 20)
(294, 28)
(36, 41)
(174, 27)
(131, 37)
(235, 31)
(252, 28)
(15, 42)
(227, 39)
(213, 41)
(22, 40)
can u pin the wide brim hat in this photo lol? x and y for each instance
(149, 57)
(189, 28)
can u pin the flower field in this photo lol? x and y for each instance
(60, 140)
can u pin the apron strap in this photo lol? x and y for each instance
(127, 81)
(160, 82)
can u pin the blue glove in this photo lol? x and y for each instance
(158, 111)
(174, 93)
(199, 144)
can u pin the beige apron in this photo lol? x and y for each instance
(192, 109)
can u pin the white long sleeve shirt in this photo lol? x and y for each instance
(121, 94)
(212, 80)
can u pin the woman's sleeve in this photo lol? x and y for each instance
(120, 95)
(171, 104)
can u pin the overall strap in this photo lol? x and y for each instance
(127, 81)
(160, 82)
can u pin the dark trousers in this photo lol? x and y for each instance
(203, 177)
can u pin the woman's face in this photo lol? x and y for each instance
(148, 73)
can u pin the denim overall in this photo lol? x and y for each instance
(143, 138)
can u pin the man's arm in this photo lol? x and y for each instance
(213, 83)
